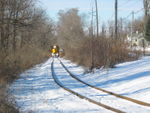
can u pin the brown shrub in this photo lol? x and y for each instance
(106, 52)
(11, 65)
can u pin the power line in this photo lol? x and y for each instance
(129, 15)
(135, 12)
(139, 10)
(124, 3)
(129, 1)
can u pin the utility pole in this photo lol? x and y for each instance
(132, 23)
(146, 4)
(92, 35)
(97, 18)
(116, 19)
(146, 9)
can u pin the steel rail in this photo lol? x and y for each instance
(103, 90)
(81, 96)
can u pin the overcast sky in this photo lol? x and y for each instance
(105, 7)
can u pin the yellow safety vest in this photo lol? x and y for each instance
(53, 50)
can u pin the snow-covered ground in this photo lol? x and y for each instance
(146, 49)
(37, 92)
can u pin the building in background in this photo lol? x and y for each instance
(137, 40)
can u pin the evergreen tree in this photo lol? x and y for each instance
(147, 30)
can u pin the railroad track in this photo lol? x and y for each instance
(105, 91)
(79, 95)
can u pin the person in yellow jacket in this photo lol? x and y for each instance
(54, 51)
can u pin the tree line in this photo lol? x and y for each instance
(80, 41)
(81, 44)
(26, 33)
(25, 30)
(20, 23)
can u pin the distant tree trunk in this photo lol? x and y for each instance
(103, 31)
(2, 23)
(14, 38)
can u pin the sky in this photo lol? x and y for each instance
(105, 7)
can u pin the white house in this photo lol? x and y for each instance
(137, 39)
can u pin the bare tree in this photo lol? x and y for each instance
(70, 28)
(14, 14)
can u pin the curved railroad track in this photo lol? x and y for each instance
(103, 90)
(79, 95)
